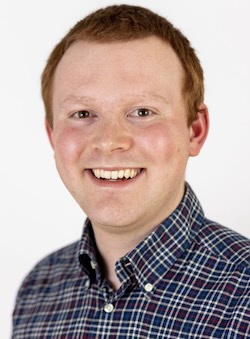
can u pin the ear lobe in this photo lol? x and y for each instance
(199, 131)
(49, 131)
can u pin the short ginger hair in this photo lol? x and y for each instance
(125, 23)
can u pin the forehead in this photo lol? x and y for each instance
(147, 64)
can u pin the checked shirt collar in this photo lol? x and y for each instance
(156, 254)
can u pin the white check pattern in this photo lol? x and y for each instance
(189, 279)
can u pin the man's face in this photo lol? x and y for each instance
(120, 134)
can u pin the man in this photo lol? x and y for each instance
(123, 94)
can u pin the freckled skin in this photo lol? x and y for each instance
(111, 82)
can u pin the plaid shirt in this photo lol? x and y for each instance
(188, 279)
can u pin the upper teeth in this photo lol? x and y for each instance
(113, 175)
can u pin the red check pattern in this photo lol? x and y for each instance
(189, 279)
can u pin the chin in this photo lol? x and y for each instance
(112, 222)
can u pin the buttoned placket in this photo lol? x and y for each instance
(125, 274)
(127, 266)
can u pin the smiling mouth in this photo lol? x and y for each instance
(123, 174)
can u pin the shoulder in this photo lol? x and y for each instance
(51, 270)
(225, 244)
(62, 258)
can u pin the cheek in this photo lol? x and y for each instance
(68, 145)
(159, 140)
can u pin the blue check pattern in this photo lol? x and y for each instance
(190, 278)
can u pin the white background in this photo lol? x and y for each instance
(37, 214)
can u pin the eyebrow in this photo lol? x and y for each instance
(70, 99)
(75, 99)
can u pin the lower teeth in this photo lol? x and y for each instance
(118, 179)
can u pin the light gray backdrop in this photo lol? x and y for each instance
(37, 214)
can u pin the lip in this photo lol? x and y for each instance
(119, 183)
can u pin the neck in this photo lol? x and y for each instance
(112, 245)
(113, 242)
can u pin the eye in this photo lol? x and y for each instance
(82, 114)
(142, 112)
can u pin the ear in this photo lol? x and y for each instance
(198, 131)
(49, 131)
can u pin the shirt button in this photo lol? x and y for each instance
(93, 264)
(87, 284)
(148, 287)
(108, 308)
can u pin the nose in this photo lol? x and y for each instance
(112, 135)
